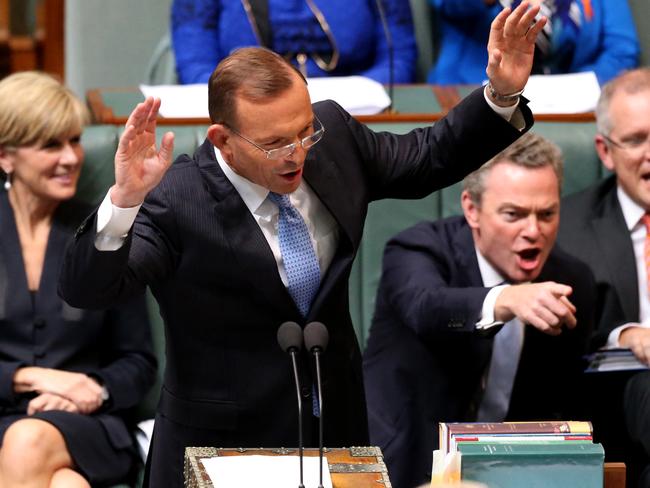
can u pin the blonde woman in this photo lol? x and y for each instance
(67, 375)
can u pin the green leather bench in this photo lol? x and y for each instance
(385, 218)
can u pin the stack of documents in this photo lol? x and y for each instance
(613, 360)
(552, 454)
(563, 94)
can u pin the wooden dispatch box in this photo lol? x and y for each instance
(354, 467)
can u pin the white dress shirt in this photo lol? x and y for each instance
(491, 279)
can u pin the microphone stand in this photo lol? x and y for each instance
(317, 352)
(294, 362)
(290, 339)
(316, 340)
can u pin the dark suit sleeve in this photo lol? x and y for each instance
(98, 279)
(7, 371)
(575, 342)
(424, 160)
(421, 287)
(129, 365)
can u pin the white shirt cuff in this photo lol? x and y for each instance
(487, 312)
(511, 114)
(113, 224)
(613, 337)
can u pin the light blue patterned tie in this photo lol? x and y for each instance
(300, 261)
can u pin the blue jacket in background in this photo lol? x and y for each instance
(606, 44)
(206, 31)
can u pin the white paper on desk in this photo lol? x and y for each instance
(266, 471)
(563, 94)
(180, 101)
(356, 94)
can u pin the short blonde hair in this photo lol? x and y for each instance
(36, 108)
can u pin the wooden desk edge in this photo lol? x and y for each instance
(615, 475)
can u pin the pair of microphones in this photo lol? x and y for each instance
(316, 338)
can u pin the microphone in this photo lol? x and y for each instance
(290, 340)
(316, 340)
(391, 56)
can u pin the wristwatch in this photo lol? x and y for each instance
(508, 98)
(105, 394)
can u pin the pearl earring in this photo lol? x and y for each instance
(8, 182)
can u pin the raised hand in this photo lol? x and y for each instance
(511, 47)
(139, 165)
(545, 306)
(78, 388)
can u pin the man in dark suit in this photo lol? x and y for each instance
(234, 242)
(604, 226)
(431, 357)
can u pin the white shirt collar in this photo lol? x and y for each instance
(253, 194)
(632, 212)
(491, 277)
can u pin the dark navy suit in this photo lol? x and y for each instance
(41, 330)
(425, 362)
(227, 383)
(594, 230)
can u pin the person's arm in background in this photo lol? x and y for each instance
(195, 38)
(129, 370)
(618, 46)
(416, 285)
(400, 25)
(8, 370)
(418, 282)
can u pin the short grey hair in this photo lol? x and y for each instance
(529, 151)
(630, 82)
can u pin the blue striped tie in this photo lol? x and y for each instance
(300, 261)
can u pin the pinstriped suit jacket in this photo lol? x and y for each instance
(227, 383)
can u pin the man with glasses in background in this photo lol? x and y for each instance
(608, 227)
(261, 227)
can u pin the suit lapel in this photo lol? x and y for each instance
(10, 254)
(62, 229)
(325, 181)
(466, 256)
(244, 236)
(612, 237)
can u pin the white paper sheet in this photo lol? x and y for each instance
(266, 471)
(357, 94)
(563, 94)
